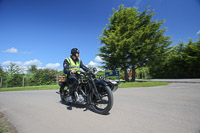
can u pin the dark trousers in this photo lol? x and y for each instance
(72, 83)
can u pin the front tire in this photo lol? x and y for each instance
(104, 105)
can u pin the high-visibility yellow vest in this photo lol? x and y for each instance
(72, 65)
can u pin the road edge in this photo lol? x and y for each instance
(5, 125)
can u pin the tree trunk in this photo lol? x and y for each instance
(23, 81)
(133, 74)
(126, 74)
(1, 82)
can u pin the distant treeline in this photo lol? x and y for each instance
(14, 77)
(182, 61)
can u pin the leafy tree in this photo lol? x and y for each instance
(14, 69)
(3, 77)
(14, 75)
(183, 61)
(132, 39)
(1, 69)
(32, 69)
(192, 58)
(186, 60)
(45, 76)
(14, 80)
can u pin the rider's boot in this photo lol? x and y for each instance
(61, 91)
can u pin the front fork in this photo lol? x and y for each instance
(94, 89)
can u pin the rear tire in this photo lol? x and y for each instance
(63, 94)
(106, 98)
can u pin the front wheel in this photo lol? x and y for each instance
(105, 103)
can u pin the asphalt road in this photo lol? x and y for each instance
(174, 108)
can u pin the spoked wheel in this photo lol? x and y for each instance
(105, 103)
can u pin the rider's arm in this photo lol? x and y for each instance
(66, 67)
(83, 67)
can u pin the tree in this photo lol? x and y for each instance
(32, 69)
(2, 74)
(14, 69)
(182, 61)
(14, 75)
(44, 77)
(185, 61)
(132, 39)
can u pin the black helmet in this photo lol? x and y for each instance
(74, 51)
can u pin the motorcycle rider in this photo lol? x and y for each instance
(70, 67)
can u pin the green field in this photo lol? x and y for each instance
(42, 87)
(51, 87)
(142, 84)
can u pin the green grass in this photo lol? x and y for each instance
(51, 87)
(141, 84)
(42, 87)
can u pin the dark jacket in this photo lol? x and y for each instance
(66, 66)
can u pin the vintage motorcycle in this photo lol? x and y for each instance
(95, 94)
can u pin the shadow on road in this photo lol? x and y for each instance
(70, 106)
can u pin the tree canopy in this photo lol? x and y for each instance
(182, 61)
(132, 39)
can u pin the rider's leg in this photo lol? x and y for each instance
(72, 83)
(62, 86)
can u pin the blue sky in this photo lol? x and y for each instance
(43, 32)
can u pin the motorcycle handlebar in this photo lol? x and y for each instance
(85, 73)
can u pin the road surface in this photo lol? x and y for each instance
(174, 108)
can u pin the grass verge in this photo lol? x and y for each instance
(5, 125)
(51, 87)
(41, 87)
(142, 84)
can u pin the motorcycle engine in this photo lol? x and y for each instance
(80, 98)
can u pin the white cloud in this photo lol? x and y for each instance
(53, 65)
(11, 50)
(98, 59)
(33, 62)
(25, 65)
(7, 63)
(40, 67)
(94, 64)
(198, 33)
(19, 63)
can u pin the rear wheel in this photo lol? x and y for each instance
(63, 94)
(105, 103)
